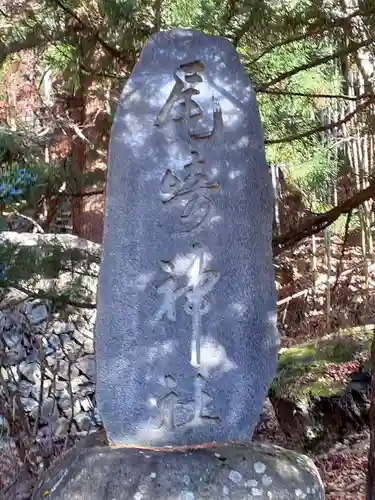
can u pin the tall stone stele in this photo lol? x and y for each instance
(186, 337)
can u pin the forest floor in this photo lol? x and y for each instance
(342, 467)
(303, 316)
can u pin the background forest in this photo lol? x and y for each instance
(63, 64)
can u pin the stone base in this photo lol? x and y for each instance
(236, 472)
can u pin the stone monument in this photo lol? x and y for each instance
(186, 336)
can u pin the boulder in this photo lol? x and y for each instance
(236, 471)
(322, 390)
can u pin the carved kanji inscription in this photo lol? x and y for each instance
(191, 410)
(195, 284)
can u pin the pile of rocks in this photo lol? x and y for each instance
(49, 363)
(47, 356)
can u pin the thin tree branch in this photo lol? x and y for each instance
(229, 12)
(323, 282)
(157, 8)
(31, 40)
(314, 225)
(83, 195)
(323, 128)
(346, 238)
(259, 90)
(282, 43)
(46, 296)
(106, 46)
(353, 47)
(312, 29)
(30, 219)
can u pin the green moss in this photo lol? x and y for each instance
(301, 369)
(323, 386)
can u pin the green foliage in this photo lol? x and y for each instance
(63, 59)
(34, 269)
(24, 175)
(339, 226)
(302, 369)
(104, 39)
(315, 177)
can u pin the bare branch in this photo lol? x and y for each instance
(46, 296)
(31, 40)
(322, 282)
(106, 46)
(157, 9)
(352, 47)
(323, 128)
(259, 90)
(30, 219)
(316, 224)
(319, 26)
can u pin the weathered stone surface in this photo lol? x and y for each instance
(186, 339)
(247, 472)
(49, 409)
(86, 364)
(83, 421)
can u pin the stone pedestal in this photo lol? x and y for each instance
(236, 472)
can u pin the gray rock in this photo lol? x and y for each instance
(38, 313)
(33, 356)
(186, 337)
(25, 388)
(54, 359)
(249, 472)
(87, 332)
(4, 372)
(67, 370)
(47, 348)
(79, 337)
(88, 348)
(30, 405)
(66, 339)
(35, 389)
(11, 339)
(60, 386)
(31, 371)
(63, 395)
(96, 417)
(85, 341)
(60, 427)
(88, 388)
(64, 328)
(83, 422)
(86, 365)
(68, 407)
(86, 404)
(15, 373)
(14, 356)
(77, 383)
(12, 387)
(54, 342)
(49, 409)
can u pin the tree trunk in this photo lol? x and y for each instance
(77, 111)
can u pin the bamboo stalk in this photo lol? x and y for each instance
(323, 282)
(327, 241)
